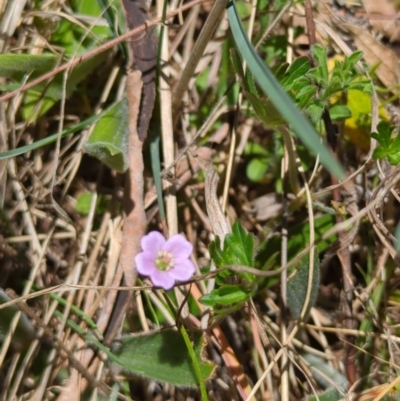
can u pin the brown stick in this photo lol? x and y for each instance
(145, 51)
(135, 221)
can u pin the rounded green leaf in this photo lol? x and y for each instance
(162, 356)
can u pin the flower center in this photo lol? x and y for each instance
(164, 261)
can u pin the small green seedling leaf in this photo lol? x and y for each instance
(320, 73)
(388, 148)
(297, 287)
(257, 168)
(237, 249)
(109, 139)
(84, 201)
(162, 356)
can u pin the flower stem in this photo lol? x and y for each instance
(197, 370)
(196, 367)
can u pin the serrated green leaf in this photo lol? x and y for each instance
(109, 139)
(315, 110)
(243, 241)
(319, 54)
(162, 356)
(238, 247)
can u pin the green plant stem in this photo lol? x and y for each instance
(203, 390)
(196, 367)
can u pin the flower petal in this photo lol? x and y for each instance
(145, 263)
(179, 247)
(162, 279)
(183, 271)
(153, 242)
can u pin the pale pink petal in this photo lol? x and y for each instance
(145, 263)
(153, 242)
(183, 271)
(162, 279)
(179, 247)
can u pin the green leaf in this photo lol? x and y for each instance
(237, 248)
(353, 59)
(327, 377)
(297, 69)
(281, 100)
(319, 54)
(254, 149)
(387, 148)
(51, 93)
(17, 65)
(84, 201)
(226, 295)
(109, 139)
(394, 159)
(315, 110)
(265, 110)
(364, 86)
(256, 169)
(339, 112)
(162, 356)
(297, 286)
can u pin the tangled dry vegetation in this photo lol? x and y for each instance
(71, 224)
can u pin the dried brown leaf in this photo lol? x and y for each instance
(382, 16)
(375, 53)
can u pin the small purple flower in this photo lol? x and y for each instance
(165, 261)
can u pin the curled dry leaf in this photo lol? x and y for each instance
(388, 70)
